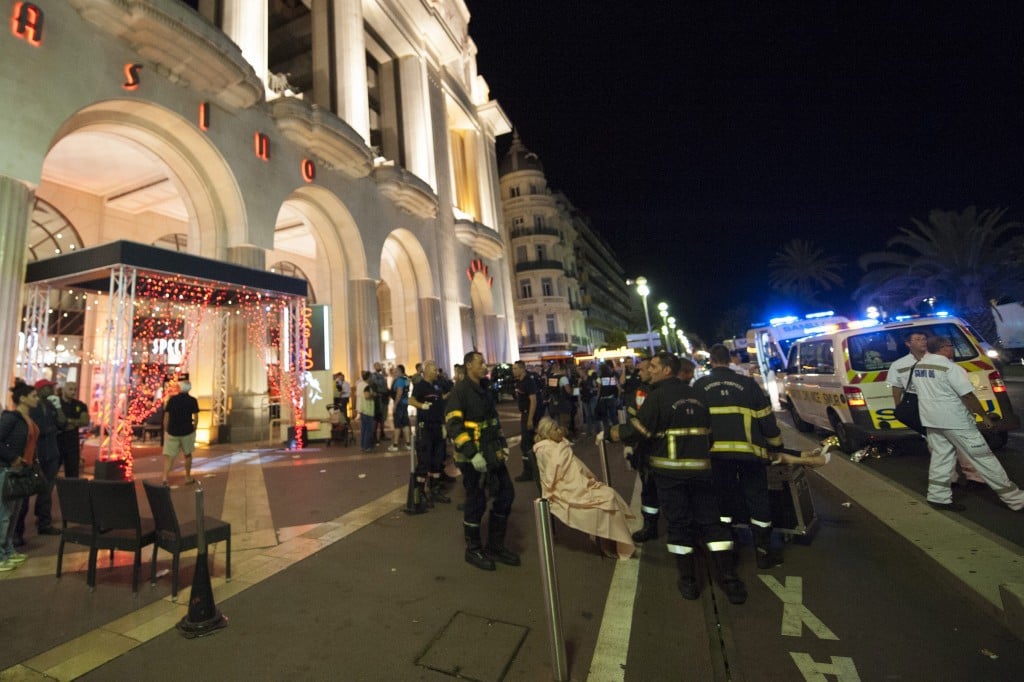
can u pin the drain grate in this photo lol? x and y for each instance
(474, 648)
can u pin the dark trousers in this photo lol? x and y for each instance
(690, 507)
(742, 489)
(527, 435)
(70, 452)
(649, 504)
(44, 500)
(498, 485)
(430, 449)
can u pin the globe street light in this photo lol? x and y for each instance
(672, 326)
(663, 311)
(644, 291)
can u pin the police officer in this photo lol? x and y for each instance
(676, 423)
(428, 397)
(530, 412)
(481, 453)
(743, 427)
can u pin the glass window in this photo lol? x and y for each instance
(538, 221)
(518, 222)
(546, 287)
(875, 350)
(551, 324)
(513, 191)
(521, 254)
(525, 289)
(542, 252)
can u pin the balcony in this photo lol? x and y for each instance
(407, 191)
(533, 231)
(182, 45)
(324, 135)
(482, 239)
(527, 265)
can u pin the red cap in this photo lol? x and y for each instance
(43, 382)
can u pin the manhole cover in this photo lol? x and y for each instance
(474, 648)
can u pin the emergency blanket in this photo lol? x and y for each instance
(579, 499)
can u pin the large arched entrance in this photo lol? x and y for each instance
(409, 283)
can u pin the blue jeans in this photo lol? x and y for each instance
(366, 431)
(8, 513)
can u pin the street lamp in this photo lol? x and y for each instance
(672, 326)
(663, 311)
(644, 291)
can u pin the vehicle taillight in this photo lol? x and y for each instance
(854, 396)
(998, 385)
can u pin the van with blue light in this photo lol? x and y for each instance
(838, 380)
(768, 345)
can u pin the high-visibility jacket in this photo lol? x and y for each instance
(675, 426)
(743, 425)
(472, 421)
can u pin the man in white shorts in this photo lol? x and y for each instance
(180, 418)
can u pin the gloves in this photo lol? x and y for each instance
(54, 400)
(503, 455)
(479, 463)
(426, 406)
(599, 439)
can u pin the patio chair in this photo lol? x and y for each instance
(76, 521)
(118, 526)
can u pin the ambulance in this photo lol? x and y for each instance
(838, 381)
(768, 345)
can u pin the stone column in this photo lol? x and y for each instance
(246, 23)
(247, 372)
(416, 121)
(366, 323)
(350, 66)
(16, 200)
(432, 346)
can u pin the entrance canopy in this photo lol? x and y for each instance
(91, 268)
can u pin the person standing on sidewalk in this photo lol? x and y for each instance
(481, 453)
(428, 397)
(948, 407)
(638, 454)
(77, 415)
(400, 414)
(743, 427)
(18, 438)
(49, 417)
(367, 407)
(528, 398)
(181, 416)
(677, 424)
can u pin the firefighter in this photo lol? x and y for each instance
(676, 424)
(636, 393)
(481, 453)
(743, 428)
(530, 412)
(428, 397)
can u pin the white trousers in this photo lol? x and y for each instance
(944, 444)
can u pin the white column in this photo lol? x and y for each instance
(350, 68)
(416, 120)
(16, 201)
(246, 23)
(246, 371)
(365, 322)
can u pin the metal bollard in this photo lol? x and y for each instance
(203, 618)
(546, 552)
(602, 453)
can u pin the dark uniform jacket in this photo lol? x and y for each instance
(675, 426)
(430, 392)
(743, 425)
(473, 424)
(526, 387)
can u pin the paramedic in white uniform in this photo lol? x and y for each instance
(948, 405)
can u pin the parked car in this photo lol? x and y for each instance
(837, 381)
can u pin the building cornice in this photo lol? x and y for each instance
(324, 134)
(482, 239)
(184, 47)
(407, 191)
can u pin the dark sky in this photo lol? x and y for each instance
(700, 136)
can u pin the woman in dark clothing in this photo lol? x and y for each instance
(18, 436)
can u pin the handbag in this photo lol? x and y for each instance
(908, 410)
(24, 482)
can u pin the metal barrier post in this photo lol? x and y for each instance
(203, 617)
(603, 454)
(546, 552)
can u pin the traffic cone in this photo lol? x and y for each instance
(203, 617)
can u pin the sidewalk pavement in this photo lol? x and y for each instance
(333, 581)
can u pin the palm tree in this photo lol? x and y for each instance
(968, 260)
(802, 270)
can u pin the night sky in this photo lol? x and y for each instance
(700, 136)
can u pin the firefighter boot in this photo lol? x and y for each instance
(496, 541)
(687, 583)
(649, 530)
(735, 590)
(527, 474)
(762, 546)
(474, 550)
(437, 492)
(419, 500)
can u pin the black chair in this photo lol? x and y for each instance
(76, 520)
(118, 526)
(176, 538)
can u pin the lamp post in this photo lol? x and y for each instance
(644, 291)
(672, 328)
(663, 312)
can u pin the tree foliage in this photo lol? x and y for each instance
(802, 270)
(967, 261)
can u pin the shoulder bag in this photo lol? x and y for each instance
(908, 411)
(24, 482)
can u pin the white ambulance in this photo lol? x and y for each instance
(838, 380)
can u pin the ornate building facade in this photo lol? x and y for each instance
(569, 289)
(349, 143)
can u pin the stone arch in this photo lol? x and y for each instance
(406, 270)
(205, 181)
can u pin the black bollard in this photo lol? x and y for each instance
(203, 617)
(410, 496)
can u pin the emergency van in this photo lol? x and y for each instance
(838, 381)
(768, 346)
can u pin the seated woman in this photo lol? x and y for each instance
(576, 497)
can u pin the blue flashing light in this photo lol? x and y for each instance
(941, 313)
(903, 318)
(824, 313)
(789, 319)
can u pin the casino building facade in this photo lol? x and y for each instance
(347, 143)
